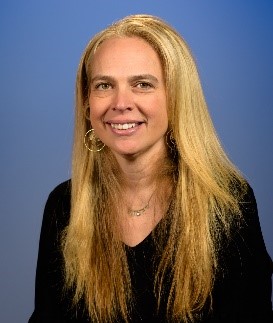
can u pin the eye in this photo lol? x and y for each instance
(144, 85)
(103, 86)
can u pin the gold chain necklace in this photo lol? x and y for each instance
(140, 211)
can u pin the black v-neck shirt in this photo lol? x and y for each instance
(241, 293)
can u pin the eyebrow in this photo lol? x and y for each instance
(131, 78)
(144, 77)
(101, 78)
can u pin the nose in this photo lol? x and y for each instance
(123, 99)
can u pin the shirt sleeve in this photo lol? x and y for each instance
(49, 270)
(243, 289)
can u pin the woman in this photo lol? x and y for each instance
(156, 224)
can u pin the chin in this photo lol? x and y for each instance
(126, 152)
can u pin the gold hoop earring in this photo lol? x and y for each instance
(91, 142)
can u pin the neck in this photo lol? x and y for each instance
(145, 179)
(140, 171)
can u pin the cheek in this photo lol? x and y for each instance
(160, 110)
(94, 118)
(94, 110)
(93, 115)
(162, 118)
(98, 106)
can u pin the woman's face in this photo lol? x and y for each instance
(128, 108)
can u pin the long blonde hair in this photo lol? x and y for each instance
(205, 191)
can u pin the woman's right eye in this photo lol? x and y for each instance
(102, 86)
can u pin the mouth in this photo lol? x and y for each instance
(124, 126)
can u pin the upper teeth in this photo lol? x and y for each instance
(121, 126)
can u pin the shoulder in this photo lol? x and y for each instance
(248, 203)
(250, 227)
(247, 243)
(60, 195)
(62, 190)
(248, 232)
(247, 214)
(57, 207)
(244, 249)
(245, 267)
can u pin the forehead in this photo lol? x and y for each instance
(125, 53)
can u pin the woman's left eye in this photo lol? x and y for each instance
(144, 85)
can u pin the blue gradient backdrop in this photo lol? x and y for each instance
(40, 46)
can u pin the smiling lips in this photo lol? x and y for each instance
(124, 126)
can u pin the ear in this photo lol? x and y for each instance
(87, 111)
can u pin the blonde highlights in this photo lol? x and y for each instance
(205, 190)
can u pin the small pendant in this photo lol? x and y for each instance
(138, 212)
